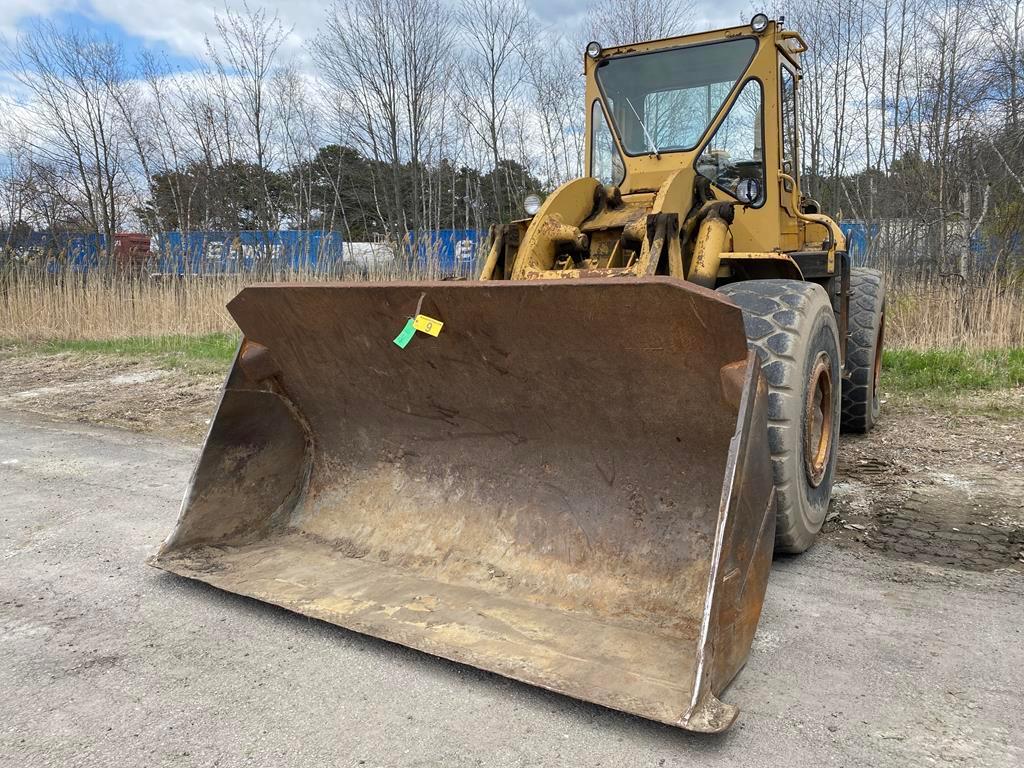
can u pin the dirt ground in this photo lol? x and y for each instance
(943, 486)
(128, 393)
(934, 485)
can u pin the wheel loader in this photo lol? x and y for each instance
(574, 470)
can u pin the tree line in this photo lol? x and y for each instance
(403, 115)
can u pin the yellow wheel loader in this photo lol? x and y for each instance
(574, 470)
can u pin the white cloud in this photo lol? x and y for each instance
(183, 25)
(14, 11)
(179, 25)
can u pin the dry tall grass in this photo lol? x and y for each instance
(943, 313)
(40, 305)
(36, 306)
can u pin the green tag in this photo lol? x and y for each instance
(403, 338)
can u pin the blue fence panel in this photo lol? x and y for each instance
(60, 251)
(453, 251)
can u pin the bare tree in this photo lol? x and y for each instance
(613, 22)
(167, 126)
(1004, 28)
(243, 57)
(16, 184)
(387, 65)
(73, 133)
(555, 75)
(297, 121)
(494, 34)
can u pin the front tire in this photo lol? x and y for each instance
(792, 326)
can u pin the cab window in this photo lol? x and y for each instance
(605, 161)
(736, 150)
(789, 149)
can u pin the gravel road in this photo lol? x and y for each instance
(862, 659)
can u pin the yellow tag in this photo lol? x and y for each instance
(426, 324)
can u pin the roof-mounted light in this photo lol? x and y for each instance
(759, 23)
(593, 49)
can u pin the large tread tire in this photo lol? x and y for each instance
(864, 345)
(791, 325)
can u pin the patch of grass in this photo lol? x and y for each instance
(209, 353)
(952, 371)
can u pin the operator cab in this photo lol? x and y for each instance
(664, 101)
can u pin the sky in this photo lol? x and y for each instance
(178, 28)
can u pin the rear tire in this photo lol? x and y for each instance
(864, 350)
(792, 326)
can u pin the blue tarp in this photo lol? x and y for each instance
(453, 250)
(857, 240)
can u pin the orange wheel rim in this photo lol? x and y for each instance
(818, 421)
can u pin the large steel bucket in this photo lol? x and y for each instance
(569, 486)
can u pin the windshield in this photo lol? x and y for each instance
(664, 101)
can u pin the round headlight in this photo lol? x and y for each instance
(593, 49)
(748, 191)
(531, 204)
(759, 23)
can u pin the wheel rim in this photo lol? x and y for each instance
(876, 373)
(818, 430)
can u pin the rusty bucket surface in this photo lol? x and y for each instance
(570, 485)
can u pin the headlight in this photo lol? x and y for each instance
(531, 204)
(759, 23)
(748, 191)
(593, 49)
